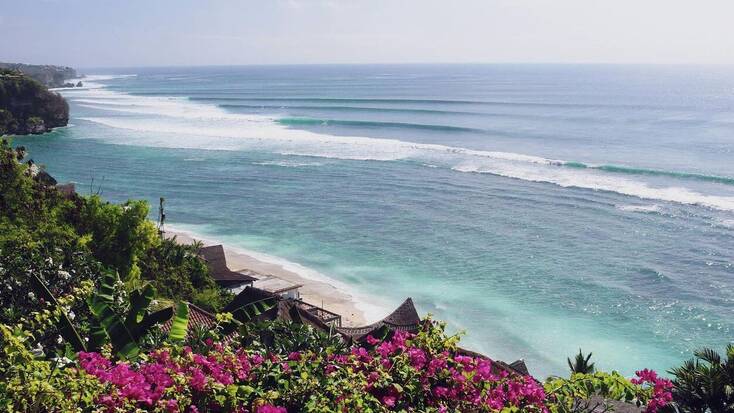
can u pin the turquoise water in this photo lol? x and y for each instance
(539, 208)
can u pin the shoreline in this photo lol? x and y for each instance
(319, 291)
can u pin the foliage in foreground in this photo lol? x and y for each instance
(422, 372)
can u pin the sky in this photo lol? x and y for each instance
(124, 33)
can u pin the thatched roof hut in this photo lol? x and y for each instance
(404, 318)
(217, 263)
(287, 309)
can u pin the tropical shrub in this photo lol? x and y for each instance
(125, 324)
(31, 384)
(283, 337)
(580, 363)
(592, 392)
(423, 372)
(69, 282)
(408, 372)
(705, 383)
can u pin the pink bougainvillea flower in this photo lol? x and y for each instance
(269, 408)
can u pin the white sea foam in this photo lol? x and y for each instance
(180, 123)
(288, 164)
(596, 180)
(639, 208)
(90, 82)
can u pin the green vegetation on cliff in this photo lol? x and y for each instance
(86, 235)
(48, 75)
(26, 106)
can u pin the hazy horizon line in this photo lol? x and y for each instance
(518, 63)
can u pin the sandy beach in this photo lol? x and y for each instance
(314, 292)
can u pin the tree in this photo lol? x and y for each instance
(119, 234)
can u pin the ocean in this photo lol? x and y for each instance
(538, 208)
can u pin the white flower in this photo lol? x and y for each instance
(31, 295)
(59, 339)
(64, 275)
(62, 361)
(71, 315)
(38, 350)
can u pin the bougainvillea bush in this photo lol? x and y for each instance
(422, 372)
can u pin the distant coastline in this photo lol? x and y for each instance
(51, 76)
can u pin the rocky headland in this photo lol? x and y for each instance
(27, 106)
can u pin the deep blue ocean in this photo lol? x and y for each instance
(541, 208)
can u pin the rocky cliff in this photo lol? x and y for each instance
(27, 106)
(48, 75)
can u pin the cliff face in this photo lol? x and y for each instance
(48, 75)
(26, 106)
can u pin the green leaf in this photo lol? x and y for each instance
(106, 289)
(140, 299)
(123, 341)
(180, 322)
(150, 320)
(97, 335)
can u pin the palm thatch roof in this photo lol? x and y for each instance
(404, 318)
(516, 367)
(217, 263)
(248, 296)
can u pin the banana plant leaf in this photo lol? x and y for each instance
(250, 312)
(122, 339)
(97, 335)
(66, 328)
(180, 322)
(140, 299)
(149, 321)
(106, 289)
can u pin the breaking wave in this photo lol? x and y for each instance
(373, 124)
(654, 172)
(180, 122)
